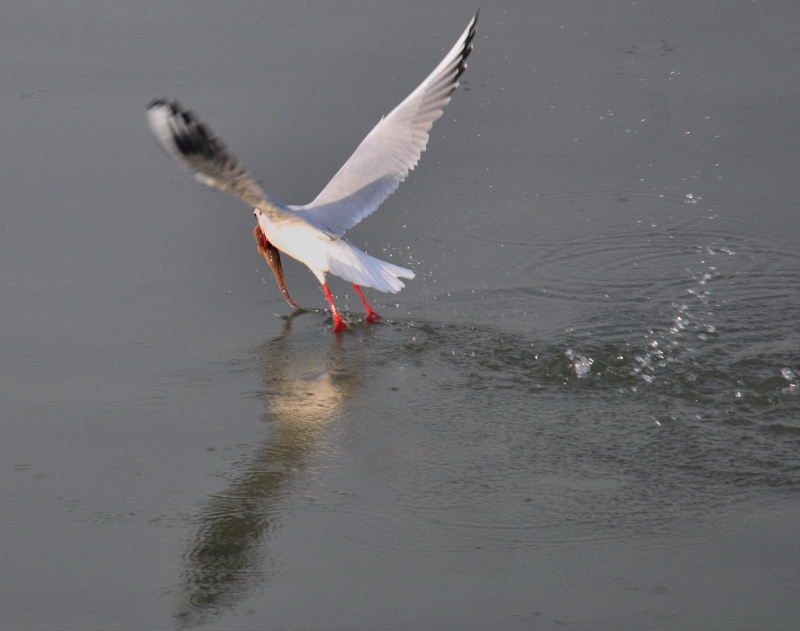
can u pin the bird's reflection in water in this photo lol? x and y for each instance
(306, 387)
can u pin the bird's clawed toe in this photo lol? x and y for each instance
(339, 324)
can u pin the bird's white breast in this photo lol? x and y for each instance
(297, 238)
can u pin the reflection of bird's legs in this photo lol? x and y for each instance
(371, 315)
(273, 257)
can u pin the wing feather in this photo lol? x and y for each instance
(391, 150)
(192, 144)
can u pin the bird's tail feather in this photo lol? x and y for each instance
(351, 264)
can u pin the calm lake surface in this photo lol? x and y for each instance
(584, 412)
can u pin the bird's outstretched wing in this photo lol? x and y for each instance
(192, 144)
(392, 149)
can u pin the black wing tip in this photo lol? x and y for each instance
(190, 136)
(468, 46)
(174, 106)
(473, 30)
(473, 26)
(159, 102)
(175, 109)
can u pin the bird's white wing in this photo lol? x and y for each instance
(392, 149)
(192, 144)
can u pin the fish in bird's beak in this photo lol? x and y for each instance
(273, 257)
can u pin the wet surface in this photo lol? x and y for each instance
(582, 413)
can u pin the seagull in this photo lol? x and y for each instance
(313, 233)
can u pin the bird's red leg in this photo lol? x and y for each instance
(371, 315)
(338, 322)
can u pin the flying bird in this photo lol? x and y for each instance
(313, 233)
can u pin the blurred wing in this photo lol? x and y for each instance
(194, 147)
(392, 149)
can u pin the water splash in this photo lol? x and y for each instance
(791, 378)
(581, 363)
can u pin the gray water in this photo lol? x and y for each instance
(583, 413)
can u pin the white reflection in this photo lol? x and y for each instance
(307, 386)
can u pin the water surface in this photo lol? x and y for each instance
(584, 412)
